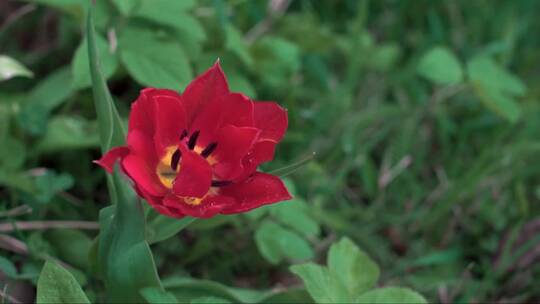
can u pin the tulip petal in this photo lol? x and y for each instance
(144, 176)
(108, 160)
(258, 190)
(209, 207)
(157, 203)
(170, 121)
(271, 119)
(140, 144)
(233, 144)
(205, 88)
(195, 175)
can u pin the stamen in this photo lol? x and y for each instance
(175, 158)
(209, 149)
(223, 183)
(193, 140)
(184, 134)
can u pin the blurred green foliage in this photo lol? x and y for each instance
(424, 117)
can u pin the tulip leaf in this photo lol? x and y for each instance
(124, 257)
(57, 285)
(391, 295)
(111, 130)
(155, 295)
(79, 66)
(10, 68)
(163, 227)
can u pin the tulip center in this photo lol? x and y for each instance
(170, 165)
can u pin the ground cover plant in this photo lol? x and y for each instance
(407, 172)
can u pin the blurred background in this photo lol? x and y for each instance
(423, 115)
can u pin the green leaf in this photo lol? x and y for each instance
(67, 133)
(276, 243)
(163, 227)
(440, 66)
(7, 267)
(210, 300)
(236, 44)
(355, 269)
(10, 68)
(57, 285)
(239, 83)
(154, 62)
(48, 184)
(111, 129)
(391, 295)
(12, 154)
(321, 284)
(72, 246)
(157, 296)
(42, 99)
(126, 6)
(496, 87)
(80, 66)
(295, 215)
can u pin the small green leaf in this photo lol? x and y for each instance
(12, 153)
(7, 267)
(354, 268)
(10, 68)
(321, 284)
(71, 245)
(155, 295)
(80, 66)
(391, 295)
(276, 243)
(236, 44)
(42, 99)
(49, 184)
(496, 87)
(68, 133)
(126, 6)
(154, 62)
(57, 285)
(440, 66)
(295, 215)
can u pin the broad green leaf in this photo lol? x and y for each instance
(275, 59)
(57, 285)
(10, 68)
(440, 66)
(162, 227)
(355, 269)
(323, 286)
(154, 62)
(67, 133)
(42, 99)
(277, 243)
(157, 296)
(236, 44)
(72, 246)
(496, 87)
(80, 66)
(126, 7)
(391, 295)
(239, 83)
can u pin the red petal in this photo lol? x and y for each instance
(209, 207)
(108, 160)
(143, 175)
(140, 144)
(205, 88)
(170, 121)
(262, 151)
(142, 114)
(234, 109)
(157, 203)
(271, 119)
(258, 190)
(195, 175)
(233, 143)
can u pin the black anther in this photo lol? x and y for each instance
(184, 134)
(223, 183)
(175, 158)
(209, 149)
(193, 140)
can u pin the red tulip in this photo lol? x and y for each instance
(196, 153)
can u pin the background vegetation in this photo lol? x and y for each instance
(424, 117)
